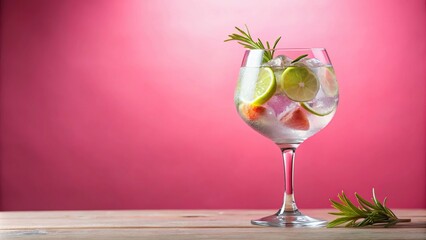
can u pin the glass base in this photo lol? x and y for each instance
(289, 219)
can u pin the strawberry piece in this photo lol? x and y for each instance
(252, 112)
(296, 119)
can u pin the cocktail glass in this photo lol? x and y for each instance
(287, 99)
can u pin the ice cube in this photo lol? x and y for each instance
(280, 61)
(310, 62)
(281, 104)
(322, 103)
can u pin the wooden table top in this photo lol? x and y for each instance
(188, 224)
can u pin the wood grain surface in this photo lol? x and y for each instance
(188, 224)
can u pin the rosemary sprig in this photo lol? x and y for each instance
(244, 38)
(370, 212)
(299, 58)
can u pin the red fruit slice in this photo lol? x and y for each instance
(296, 119)
(252, 112)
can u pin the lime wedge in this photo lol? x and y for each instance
(321, 107)
(265, 86)
(299, 84)
(328, 81)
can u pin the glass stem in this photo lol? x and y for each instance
(289, 205)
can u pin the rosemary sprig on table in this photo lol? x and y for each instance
(370, 212)
(244, 38)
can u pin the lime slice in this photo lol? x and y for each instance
(321, 107)
(299, 84)
(265, 86)
(328, 81)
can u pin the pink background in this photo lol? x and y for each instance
(129, 104)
